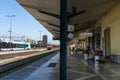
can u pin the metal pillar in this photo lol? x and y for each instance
(11, 16)
(63, 39)
(40, 40)
(0, 44)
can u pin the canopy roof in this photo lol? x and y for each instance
(81, 13)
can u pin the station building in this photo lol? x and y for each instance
(106, 34)
(99, 17)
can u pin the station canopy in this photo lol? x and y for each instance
(80, 13)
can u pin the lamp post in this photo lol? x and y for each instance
(0, 44)
(10, 16)
(40, 38)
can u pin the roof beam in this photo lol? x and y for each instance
(56, 30)
(58, 16)
(52, 28)
(54, 25)
(76, 14)
(48, 22)
(44, 12)
(42, 20)
(85, 27)
(50, 14)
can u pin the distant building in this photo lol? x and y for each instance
(45, 40)
(40, 44)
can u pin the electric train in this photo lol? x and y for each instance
(14, 45)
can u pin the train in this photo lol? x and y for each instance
(49, 47)
(6, 44)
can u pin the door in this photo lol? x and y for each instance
(107, 42)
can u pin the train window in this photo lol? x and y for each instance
(8, 45)
(18, 45)
(14, 46)
(22, 46)
(2, 45)
(5, 45)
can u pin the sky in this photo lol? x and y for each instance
(23, 24)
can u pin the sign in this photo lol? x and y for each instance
(85, 34)
(75, 40)
(70, 28)
(70, 35)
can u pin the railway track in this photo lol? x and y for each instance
(10, 67)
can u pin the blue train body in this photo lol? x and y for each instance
(14, 45)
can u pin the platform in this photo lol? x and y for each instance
(77, 69)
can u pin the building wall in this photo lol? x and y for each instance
(45, 40)
(112, 20)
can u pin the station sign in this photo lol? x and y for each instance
(70, 35)
(86, 34)
(70, 28)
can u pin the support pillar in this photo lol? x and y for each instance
(63, 39)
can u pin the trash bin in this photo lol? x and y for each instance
(86, 55)
(96, 57)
